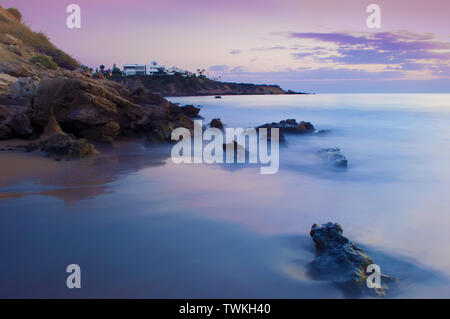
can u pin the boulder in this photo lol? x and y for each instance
(342, 262)
(334, 157)
(60, 146)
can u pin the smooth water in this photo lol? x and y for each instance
(141, 226)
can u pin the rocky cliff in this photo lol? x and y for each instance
(42, 87)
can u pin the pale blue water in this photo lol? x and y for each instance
(141, 226)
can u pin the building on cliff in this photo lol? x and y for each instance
(151, 70)
(143, 69)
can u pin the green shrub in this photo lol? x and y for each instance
(45, 61)
(16, 13)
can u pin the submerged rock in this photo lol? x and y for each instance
(334, 157)
(342, 262)
(291, 126)
(106, 133)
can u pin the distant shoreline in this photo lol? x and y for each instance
(175, 86)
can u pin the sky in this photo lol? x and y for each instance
(304, 45)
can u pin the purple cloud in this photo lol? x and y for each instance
(399, 47)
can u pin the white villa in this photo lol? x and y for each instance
(142, 69)
(151, 69)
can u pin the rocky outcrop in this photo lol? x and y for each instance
(82, 103)
(342, 262)
(333, 157)
(96, 110)
(60, 146)
(85, 108)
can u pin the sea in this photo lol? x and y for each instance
(140, 226)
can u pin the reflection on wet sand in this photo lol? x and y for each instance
(25, 174)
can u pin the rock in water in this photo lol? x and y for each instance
(333, 156)
(216, 123)
(291, 126)
(342, 262)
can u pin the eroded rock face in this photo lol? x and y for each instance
(24, 87)
(79, 104)
(98, 110)
(342, 262)
(9, 39)
(18, 121)
(334, 157)
(16, 69)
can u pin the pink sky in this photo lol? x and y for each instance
(252, 40)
